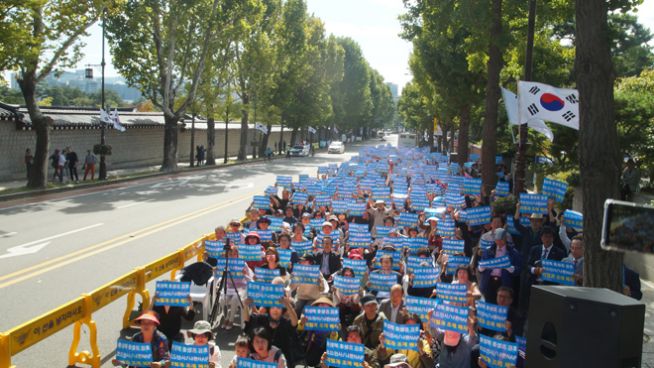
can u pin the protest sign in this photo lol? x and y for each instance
(214, 248)
(302, 246)
(344, 354)
(397, 256)
(284, 256)
(235, 267)
(477, 216)
(453, 246)
(250, 252)
(413, 262)
(359, 240)
(555, 189)
(533, 203)
(356, 209)
(265, 294)
(498, 160)
(261, 202)
(265, 235)
(492, 316)
(300, 198)
(502, 189)
(559, 272)
(265, 274)
(323, 200)
(347, 285)
(382, 281)
(498, 353)
(234, 236)
(306, 274)
(414, 244)
(382, 231)
(522, 346)
(401, 337)
(359, 266)
(339, 206)
(407, 219)
(451, 318)
(573, 219)
(472, 186)
(271, 191)
(454, 200)
(136, 354)
(485, 244)
(456, 293)
(499, 262)
(322, 319)
(455, 261)
(447, 228)
(173, 293)
(421, 306)
(189, 355)
(284, 181)
(425, 277)
(251, 363)
(524, 221)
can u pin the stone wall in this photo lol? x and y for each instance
(135, 147)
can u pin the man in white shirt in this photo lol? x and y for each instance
(577, 258)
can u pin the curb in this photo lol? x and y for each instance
(71, 187)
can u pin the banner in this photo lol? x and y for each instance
(558, 272)
(265, 294)
(498, 353)
(173, 293)
(251, 363)
(302, 247)
(456, 293)
(306, 274)
(401, 337)
(472, 186)
(250, 252)
(285, 257)
(502, 189)
(235, 267)
(421, 306)
(382, 281)
(502, 262)
(492, 316)
(359, 266)
(453, 246)
(425, 277)
(555, 189)
(261, 202)
(347, 285)
(454, 261)
(136, 354)
(407, 219)
(284, 181)
(322, 319)
(451, 318)
(344, 354)
(573, 219)
(533, 203)
(189, 355)
(214, 248)
(477, 216)
(544, 102)
(264, 274)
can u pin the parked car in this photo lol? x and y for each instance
(303, 150)
(336, 147)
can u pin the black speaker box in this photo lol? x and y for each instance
(583, 327)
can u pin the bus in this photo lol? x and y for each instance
(406, 140)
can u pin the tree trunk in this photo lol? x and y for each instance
(293, 137)
(464, 133)
(430, 140)
(599, 155)
(281, 138)
(38, 175)
(242, 151)
(444, 145)
(192, 158)
(211, 141)
(489, 132)
(264, 140)
(171, 131)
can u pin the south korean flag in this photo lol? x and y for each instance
(541, 101)
(260, 127)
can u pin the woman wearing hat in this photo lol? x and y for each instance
(252, 238)
(316, 341)
(202, 335)
(148, 322)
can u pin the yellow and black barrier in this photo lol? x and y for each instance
(79, 311)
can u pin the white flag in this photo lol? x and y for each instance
(511, 105)
(541, 101)
(104, 117)
(311, 130)
(260, 127)
(116, 121)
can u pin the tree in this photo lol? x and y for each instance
(414, 107)
(160, 47)
(38, 37)
(354, 89)
(629, 44)
(599, 155)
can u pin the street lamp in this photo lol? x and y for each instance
(88, 73)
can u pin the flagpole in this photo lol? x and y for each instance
(521, 159)
(102, 175)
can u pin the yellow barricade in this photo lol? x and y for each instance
(79, 311)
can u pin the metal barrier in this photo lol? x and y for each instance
(79, 311)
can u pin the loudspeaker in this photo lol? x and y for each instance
(583, 327)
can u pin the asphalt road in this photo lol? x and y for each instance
(51, 251)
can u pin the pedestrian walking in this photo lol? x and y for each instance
(29, 161)
(89, 164)
(630, 181)
(72, 159)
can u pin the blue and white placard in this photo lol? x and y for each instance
(265, 294)
(173, 293)
(189, 355)
(322, 319)
(136, 354)
(401, 337)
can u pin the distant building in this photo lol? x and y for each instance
(394, 90)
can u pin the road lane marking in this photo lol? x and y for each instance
(22, 250)
(60, 235)
(129, 205)
(6, 235)
(46, 266)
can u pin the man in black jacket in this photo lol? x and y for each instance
(329, 262)
(534, 268)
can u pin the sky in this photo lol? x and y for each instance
(372, 23)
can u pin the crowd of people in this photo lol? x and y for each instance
(64, 163)
(411, 206)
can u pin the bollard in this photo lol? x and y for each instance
(92, 358)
